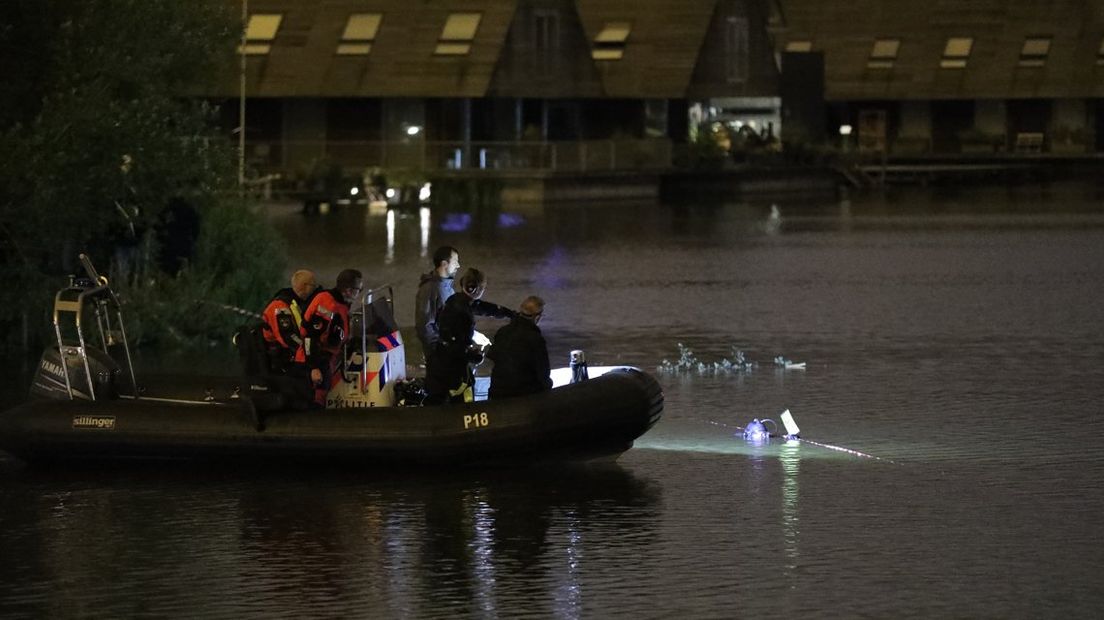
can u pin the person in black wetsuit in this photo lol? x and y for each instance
(449, 368)
(520, 354)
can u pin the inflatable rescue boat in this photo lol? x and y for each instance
(88, 403)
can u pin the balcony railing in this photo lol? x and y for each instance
(427, 156)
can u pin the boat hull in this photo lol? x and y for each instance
(593, 419)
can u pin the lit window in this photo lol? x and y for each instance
(610, 42)
(799, 46)
(1035, 51)
(883, 54)
(360, 33)
(457, 35)
(259, 33)
(956, 52)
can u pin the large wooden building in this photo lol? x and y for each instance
(443, 84)
(462, 83)
(957, 75)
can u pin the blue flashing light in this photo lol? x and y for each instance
(456, 222)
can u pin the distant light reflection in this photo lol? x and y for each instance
(510, 220)
(549, 274)
(390, 256)
(483, 521)
(423, 222)
(569, 599)
(396, 553)
(456, 222)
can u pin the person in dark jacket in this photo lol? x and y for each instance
(434, 289)
(449, 376)
(520, 354)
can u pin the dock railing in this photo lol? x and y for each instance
(460, 156)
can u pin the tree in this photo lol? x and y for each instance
(98, 135)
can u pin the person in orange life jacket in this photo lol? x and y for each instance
(449, 376)
(326, 328)
(283, 318)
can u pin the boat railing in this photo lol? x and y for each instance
(372, 293)
(367, 317)
(69, 303)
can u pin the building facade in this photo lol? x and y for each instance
(615, 84)
(956, 76)
(460, 84)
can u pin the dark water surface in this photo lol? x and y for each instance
(955, 336)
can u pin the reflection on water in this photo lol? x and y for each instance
(428, 545)
(953, 333)
(790, 459)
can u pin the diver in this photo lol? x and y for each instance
(449, 368)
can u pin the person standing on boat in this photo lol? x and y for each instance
(433, 291)
(325, 329)
(283, 319)
(520, 354)
(449, 375)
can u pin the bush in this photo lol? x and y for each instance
(240, 260)
(97, 146)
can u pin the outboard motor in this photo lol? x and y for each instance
(578, 366)
(50, 376)
(88, 325)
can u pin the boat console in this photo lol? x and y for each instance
(374, 359)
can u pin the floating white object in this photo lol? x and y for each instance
(782, 362)
(792, 429)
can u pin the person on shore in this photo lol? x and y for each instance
(520, 354)
(434, 289)
(449, 368)
(325, 330)
(282, 320)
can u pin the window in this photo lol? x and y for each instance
(803, 46)
(546, 39)
(360, 33)
(736, 50)
(1100, 53)
(956, 52)
(610, 42)
(1035, 51)
(457, 35)
(259, 33)
(884, 54)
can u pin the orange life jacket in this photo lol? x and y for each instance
(283, 319)
(325, 328)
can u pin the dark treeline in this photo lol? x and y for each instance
(101, 152)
